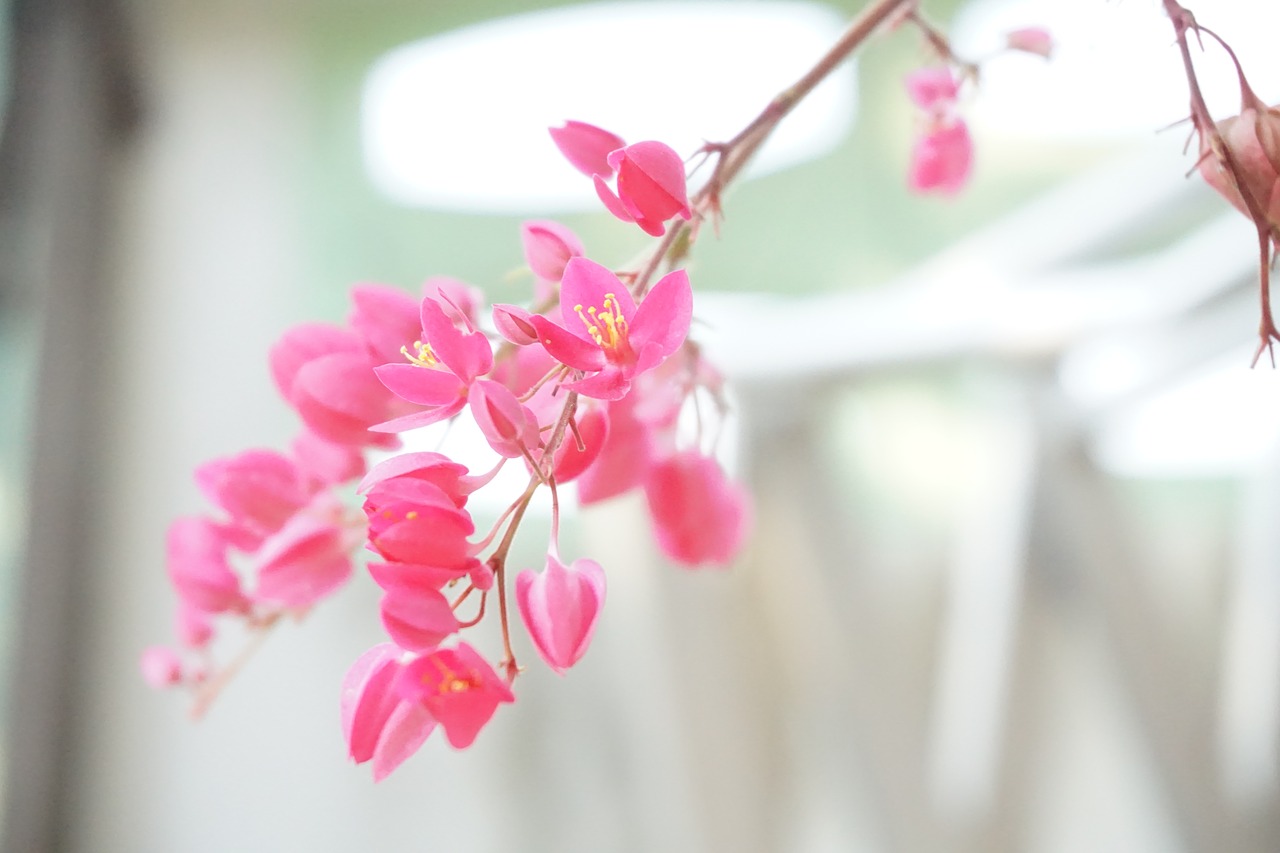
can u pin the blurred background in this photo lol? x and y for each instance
(1014, 580)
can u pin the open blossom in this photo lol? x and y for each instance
(440, 370)
(458, 688)
(606, 335)
(560, 606)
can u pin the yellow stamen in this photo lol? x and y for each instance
(422, 356)
(608, 328)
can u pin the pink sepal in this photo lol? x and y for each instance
(560, 607)
(548, 246)
(508, 426)
(1035, 40)
(586, 146)
(515, 324)
(435, 468)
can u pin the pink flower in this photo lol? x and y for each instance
(384, 318)
(699, 517)
(932, 88)
(650, 187)
(586, 146)
(326, 375)
(378, 724)
(607, 335)
(548, 246)
(458, 688)
(305, 561)
(942, 159)
(325, 463)
(1031, 40)
(560, 607)
(198, 567)
(440, 370)
(259, 489)
(161, 666)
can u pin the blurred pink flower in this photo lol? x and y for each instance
(699, 516)
(942, 159)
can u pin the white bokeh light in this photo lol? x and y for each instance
(459, 121)
(1116, 70)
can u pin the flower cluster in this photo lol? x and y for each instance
(586, 385)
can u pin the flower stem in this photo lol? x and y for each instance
(738, 151)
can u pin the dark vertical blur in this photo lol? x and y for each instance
(70, 106)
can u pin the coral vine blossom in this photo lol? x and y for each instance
(606, 335)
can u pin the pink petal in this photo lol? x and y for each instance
(434, 468)
(942, 160)
(586, 146)
(548, 246)
(611, 201)
(161, 666)
(368, 699)
(304, 562)
(421, 385)
(593, 429)
(568, 348)
(197, 564)
(417, 620)
(664, 315)
(933, 88)
(385, 318)
(624, 460)
(467, 354)
(303, 343)
(326, 463)
(586, 284)
(259, 489)
(339, 398)
(1034, 40)
(699, 517)
(406, 729)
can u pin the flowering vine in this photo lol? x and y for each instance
(586, 385)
